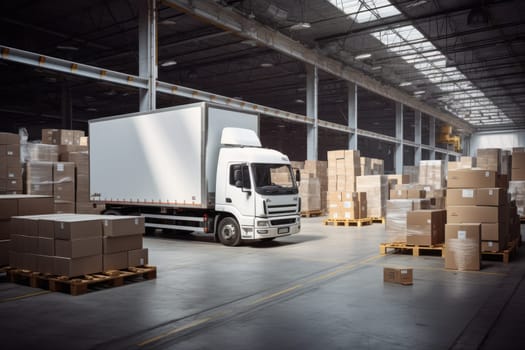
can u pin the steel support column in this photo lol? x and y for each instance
(432, 136)
(398, 164)
(66, 105)
(352, 114)
(417, 139)
(312, 81)
(148, 53)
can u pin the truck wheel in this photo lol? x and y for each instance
(229, 232)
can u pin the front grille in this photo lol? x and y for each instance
(282, 209)
(282, 222)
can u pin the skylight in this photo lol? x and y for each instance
(362, 11)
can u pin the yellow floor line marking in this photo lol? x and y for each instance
(277, 294)
(174, 331)
(343, 269)
(24, 296)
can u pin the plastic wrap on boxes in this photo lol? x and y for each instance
(517, 194)
(489, 159)
(39, 152)
(432, 172)
(39, 177)
(310, 193)
(376, 188)
(412, 172)
(462, 252)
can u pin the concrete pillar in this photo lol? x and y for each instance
(312, 81)
(352, 114)
(432, 136)
(148, 52)
(417, 139)
(398, 161)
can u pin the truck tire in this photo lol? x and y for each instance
(229, 232)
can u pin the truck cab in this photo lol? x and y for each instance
(256, 186)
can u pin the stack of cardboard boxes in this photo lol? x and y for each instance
(432, 173)
(19, 204)
(474, 198)
(463, 163)
(347, 205)
(62, 136)
(319, 170)
(517, 185)
(376, 188)
(73, 245)
(426, 226)
(310, 193)
(412, 172)
(10, 165)
(396, 216)
(371, 166)
(518, 166)
(489, 159)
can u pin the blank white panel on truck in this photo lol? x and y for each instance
(166, 157)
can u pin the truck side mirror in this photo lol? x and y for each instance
(297, 175)
(237, 178)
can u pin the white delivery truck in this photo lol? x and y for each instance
(197, 167)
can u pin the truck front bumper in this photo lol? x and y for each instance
(262, 231)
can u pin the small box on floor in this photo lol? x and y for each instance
(402, 276)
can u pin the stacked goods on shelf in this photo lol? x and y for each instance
(426, 226)
(463, 163)
(310, 193)
(347, 205)
(412, 172)
(432, 173)
(62, 136)
(473, 197)
(396, 216)
(10, 165)
(19, 204)
(319, 170)
(82, 195)
(343, 168)
(518, 166)
(376, 188)
(74, 245)
(489, 159)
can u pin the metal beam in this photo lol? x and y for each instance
(235, 22)
(312, 85)
(352, 114)
(432, 136)
(398, 160)
(148, 53)
(417, 137)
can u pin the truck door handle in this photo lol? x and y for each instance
(228, 200)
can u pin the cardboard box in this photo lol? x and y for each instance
(122, 243)
(78, 247)
(48, 136)
(72, 267)
(398, 194)
(64, 191)
(77, 227)
(46, 264)
(89, 208)
(425, 227)
(491, 196)
(138, 257)
(7, 138)
(24, 244)
(402, 276)
(518, 174)
(46, 246)
(491, 246)
(474, 214)
(114, 226)
(471, 178)
(39, 178)
(463, 242)
(63, 207)
(11, 172)
(415, 194)
(63, 172)
(492, 231)
(115, 261)
(5, 229)
(461, 196)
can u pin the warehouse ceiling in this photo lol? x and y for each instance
(464, 56)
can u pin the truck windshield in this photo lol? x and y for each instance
(273, 179)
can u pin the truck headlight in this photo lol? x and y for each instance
(262, 224)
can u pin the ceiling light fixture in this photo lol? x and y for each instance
(301, 26)
(252, 43)
(363, 56)
(168, 63)
(299, 101)
(266, 65)
(168, 22)
(405, 83)
(67, 48)
(419, 92)
(377, 68)
(416, 4)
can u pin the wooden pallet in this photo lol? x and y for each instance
(348, 222)
(505, 254)
(310, 213)
(81, 285)
(380, 220)
(416, 250)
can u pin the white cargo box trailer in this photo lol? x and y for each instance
(167, 164)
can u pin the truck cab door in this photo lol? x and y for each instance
(239, 193)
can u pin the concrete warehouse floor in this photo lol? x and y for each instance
(320, 289)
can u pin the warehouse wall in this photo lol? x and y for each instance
(503, 139)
